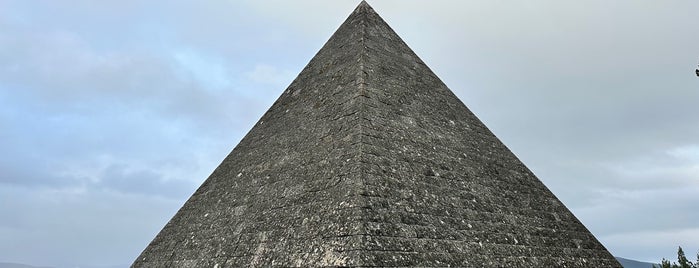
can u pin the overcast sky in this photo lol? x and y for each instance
(113, 112)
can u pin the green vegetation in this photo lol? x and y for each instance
(682, 261)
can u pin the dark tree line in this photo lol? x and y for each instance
(682, 261)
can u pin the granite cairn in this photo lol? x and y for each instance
(368, 160)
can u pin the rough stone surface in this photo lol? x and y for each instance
(369, 160)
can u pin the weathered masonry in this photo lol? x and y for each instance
(369, 160)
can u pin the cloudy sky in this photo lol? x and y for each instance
(113, 112)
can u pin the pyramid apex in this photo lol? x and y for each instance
(363, 6)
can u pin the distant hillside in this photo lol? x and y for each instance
(634, 264)
(17, 265)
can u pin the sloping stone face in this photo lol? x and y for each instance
(368, 159)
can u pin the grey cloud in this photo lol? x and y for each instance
(648, 224)
(30, 171)
(115, 147)
(71, 227)
(60, 68)
(144, 181)
(656, 245)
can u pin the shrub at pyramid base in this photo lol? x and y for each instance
(368, 159)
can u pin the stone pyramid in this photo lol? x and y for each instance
(368, 159)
